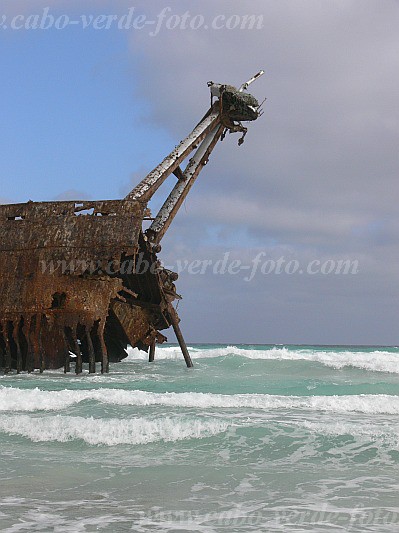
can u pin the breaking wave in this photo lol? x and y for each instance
(109, 432)
(28, 400)
(388, 434)
(375, 361)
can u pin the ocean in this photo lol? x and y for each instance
(254, 438)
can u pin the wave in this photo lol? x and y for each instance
(109, 432)
(376, 361)
(29, 400)
(370, 432)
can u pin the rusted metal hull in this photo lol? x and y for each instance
(78, 278)
(81, 280)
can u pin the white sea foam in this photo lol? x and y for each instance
(109, 432)
(376, 361)
(369, 432)
(14, 399)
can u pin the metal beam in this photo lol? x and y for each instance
(179, 192)
(149, 185)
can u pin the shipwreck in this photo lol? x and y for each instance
(73, 289)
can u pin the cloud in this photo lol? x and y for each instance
(317, 173)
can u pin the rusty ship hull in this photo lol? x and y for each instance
(81, 280)
(78, 277)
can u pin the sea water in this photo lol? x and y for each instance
(254, 438)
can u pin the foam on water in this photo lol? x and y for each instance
(295, 459)
(29, 400)
(375, 361)
(368, 432)
(109, 432)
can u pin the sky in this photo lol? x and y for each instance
(87, 113)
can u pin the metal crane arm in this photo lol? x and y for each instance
(179, 192)
(232, 107)
(150, 184)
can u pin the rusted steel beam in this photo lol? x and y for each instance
(178, 173)
(103, 349)
(150, 184)
(92, 357)
(177, 196)
(151, 355)
(180, 339)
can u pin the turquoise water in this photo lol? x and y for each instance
(254, 438)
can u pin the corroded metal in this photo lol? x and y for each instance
(177, 196)
(147, 187)
(80, 281)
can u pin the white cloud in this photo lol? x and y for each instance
(317, 173)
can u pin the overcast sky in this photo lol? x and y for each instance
(87, 113)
